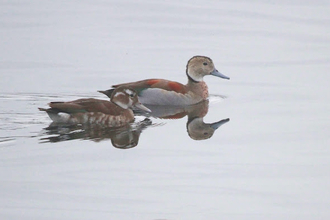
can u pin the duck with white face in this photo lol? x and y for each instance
(113, 113)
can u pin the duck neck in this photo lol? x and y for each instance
(190, 79)
(192, 82)
(199, 89)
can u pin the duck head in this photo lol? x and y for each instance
(200, 66)
(126, 97)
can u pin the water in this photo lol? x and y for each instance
(269, 161)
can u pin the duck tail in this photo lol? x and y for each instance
(55, 116)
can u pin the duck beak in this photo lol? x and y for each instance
(215, 72)
(142, 107)
(216, 125)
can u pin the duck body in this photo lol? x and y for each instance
(114, 113)
(166, 92)
(89, 111)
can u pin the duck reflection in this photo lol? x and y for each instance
(196, 127)
(199, 130)
(124, 137)
(127, 136)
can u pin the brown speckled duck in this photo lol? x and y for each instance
(113, 113)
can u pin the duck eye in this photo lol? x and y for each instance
(205, 63)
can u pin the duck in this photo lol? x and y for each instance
(89, 111)
(166, 92)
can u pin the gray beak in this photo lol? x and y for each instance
(216, 125)
(215, 72)
(142, 107)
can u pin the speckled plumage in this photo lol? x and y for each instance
(112, 113)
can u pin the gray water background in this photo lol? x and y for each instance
(270, 161)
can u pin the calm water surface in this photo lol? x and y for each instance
(269, 159)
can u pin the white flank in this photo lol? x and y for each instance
(60, 117)
(156, 96)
